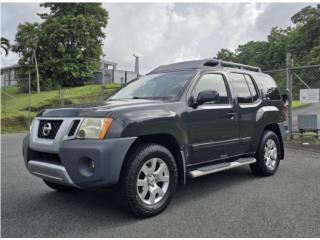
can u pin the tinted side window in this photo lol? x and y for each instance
(213, 82)
(241, 87)
(268, 86)
(252, 88)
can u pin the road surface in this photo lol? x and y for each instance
(233, 203)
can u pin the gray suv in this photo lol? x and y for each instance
(180, 121)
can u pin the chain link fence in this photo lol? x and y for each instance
(304, 77)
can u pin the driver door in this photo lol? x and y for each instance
(213, 127)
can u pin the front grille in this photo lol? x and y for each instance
(73, 128)
(48, 128)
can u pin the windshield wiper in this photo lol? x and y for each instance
(121, 99)
(139, 98)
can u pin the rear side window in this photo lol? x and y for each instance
(241, 87)
(252, 88)
(268, 86)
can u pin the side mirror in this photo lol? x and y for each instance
(207, 96)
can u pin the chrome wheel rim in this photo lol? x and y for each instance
(153, 181)
(270, 154)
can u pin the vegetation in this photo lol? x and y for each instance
(296, 104)
(5, 45)
(27, 39)
(65, 48)
(308, 138)
(302, 41)
(14, 117)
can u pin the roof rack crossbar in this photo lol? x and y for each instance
(237, 65)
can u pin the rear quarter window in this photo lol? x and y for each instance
(268, 86)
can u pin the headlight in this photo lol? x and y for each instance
(94, 128)
(31, 125)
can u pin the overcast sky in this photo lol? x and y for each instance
(168, 32)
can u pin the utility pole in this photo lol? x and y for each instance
(4, 94)
(37, 70)
(103, 70)
(136, 65)
(29, 99)
(289, 65)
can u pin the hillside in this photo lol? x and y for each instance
(14, 105)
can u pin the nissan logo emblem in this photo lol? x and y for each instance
(46, 129)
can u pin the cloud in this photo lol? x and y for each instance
(12, 14)
(162, 33)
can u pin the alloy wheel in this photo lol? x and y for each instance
(153, 181)
(270, 154)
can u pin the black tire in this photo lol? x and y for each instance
(59, 187)
(260, 168)
(136, 159)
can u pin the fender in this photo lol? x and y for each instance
(158, 121)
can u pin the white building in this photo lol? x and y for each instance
(107, 74)
(9, 75)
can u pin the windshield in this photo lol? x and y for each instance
(164, 86)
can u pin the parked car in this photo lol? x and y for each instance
(180, 121)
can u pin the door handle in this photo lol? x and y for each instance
(232, 115)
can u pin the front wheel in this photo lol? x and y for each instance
(150, 180)
(267, 155)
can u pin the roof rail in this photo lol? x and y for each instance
(237, 65)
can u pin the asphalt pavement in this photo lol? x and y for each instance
(233, 203)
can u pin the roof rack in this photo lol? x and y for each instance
(221, 63)
(196, 64)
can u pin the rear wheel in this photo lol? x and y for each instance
(60, 187)
(149, 180)
(268, 155)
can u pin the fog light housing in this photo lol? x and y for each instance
(86, 166)
(92, 166)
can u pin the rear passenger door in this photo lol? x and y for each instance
(248, 103)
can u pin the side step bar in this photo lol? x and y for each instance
(220, 167)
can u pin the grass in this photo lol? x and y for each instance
(307, 137)
(296, 104)
(14, 110)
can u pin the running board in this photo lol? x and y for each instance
(220, 167)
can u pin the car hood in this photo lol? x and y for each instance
(100, 109)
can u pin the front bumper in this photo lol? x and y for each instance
(71, 164)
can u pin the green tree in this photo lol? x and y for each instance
(253, 53)
(66, 47)
(306, 34)
(302, 40)
(27, 46)
(5, 45)
(72, 39)
(226, 55)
